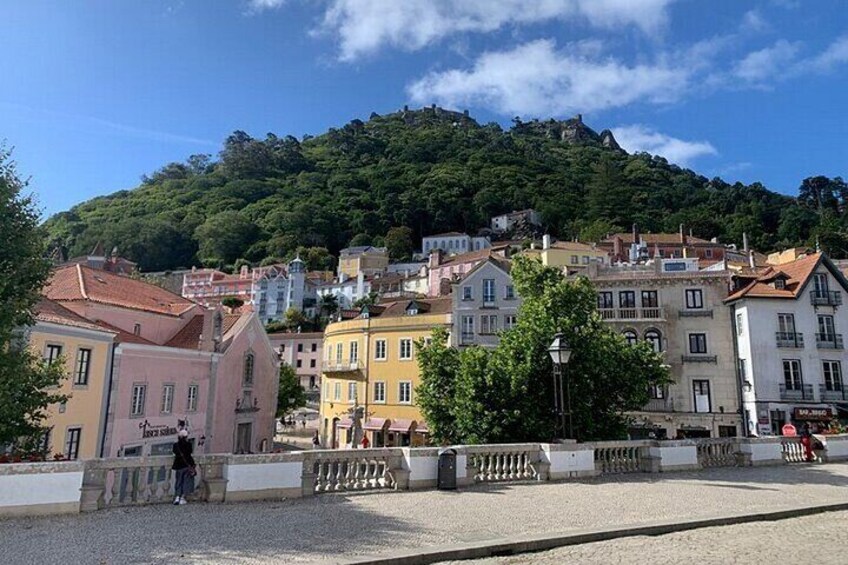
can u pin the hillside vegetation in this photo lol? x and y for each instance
(433, 171)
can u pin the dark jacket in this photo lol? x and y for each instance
(182, 455)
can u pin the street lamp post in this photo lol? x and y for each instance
(560, 354)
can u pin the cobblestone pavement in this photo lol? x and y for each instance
(336, 526)
(816, 539)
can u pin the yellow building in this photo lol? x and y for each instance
(370, 361)
(369, 260)
(572, 255)
(78, 425)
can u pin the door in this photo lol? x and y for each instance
(243, 433)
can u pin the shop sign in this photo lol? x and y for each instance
(813, 414)
(149, 430)
(764, 429)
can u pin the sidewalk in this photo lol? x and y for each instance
(329, 527)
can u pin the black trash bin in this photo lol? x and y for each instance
(447, 469)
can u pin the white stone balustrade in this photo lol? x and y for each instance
(74, 486)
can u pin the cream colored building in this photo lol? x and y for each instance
(366, 259)
(574, 256)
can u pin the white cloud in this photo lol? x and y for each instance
(753, 21)
(638, 137)
(364, 26)
(260, 5)
(759, 66)
(835, 54)
(536, 79)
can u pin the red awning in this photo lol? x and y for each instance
(376, 424)
(401, 426)
(421, 428)
(344, 423)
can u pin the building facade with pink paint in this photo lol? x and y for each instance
(446, 270)
(177, 365)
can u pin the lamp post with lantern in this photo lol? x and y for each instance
(560, 353)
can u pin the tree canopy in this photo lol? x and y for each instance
(430, 171)
(477, 395)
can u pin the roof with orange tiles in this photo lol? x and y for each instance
(575, 246)
(795, 274)
(189, 336)
(398, 308)
(472, 256)
(81, 283)
(52, 312)
(658, 238)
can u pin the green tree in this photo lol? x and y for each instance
(25, 379)
(222, 238)
(328, 305)
(232, 302)
(291, 395)
(294, 319)
(399, 244)
(504, 395)
(438, 362)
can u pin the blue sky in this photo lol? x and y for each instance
(98, 92)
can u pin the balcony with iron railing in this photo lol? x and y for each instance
(836, 393)
(659, 404)
(341, 367)
(466, 338)
(633, 314)
(829, 341)
(825, 298)
(797, 392)
(699, 358)
(790, 339)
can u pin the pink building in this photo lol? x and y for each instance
(210, 286)
(446, 270)
(302, 351)
(177, 365)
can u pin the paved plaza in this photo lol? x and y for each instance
(816, 539)
(335, 527)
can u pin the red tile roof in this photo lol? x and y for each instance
(796, 274)
(78, 282)
(657, 238)
(189, 336)
(52, 312)
(474, 255)
(398, 307)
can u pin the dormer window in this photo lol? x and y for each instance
(779, 284)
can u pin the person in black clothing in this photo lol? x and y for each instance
(184, 467)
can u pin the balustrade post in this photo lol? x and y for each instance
(92, 490)
(308, 476)
(649, 463)
(401, 475)
(213, 478)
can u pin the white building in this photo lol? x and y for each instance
(484, 303)
(505, 222)
(453, 243)
(276, 290)
(346, 290)
(788, 328)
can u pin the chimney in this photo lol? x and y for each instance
(744, 241)
(751, 261)
(244, 271)
(682, 235)
(444, 287)
(436, 257)
(616, 247)
(546, 241)
(635, 233)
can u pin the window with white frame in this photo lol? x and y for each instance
(351, 392)
(631, 337)
(167, 399)
(832, 372)
(339, 353)
(740, 328)
(191, 404)
(488, 324)
(509, 321)
(697, 343)
(380, 391)
(654, 339)
(380, 350)
(467, 293)
(52, 353)
(467, 327)
(792, 378)
(488, 290)
(82, 366)
(405, 392)
(139, 392)
(701, 393)
(694, 298)
(509, 293)
(405, 349)
(354, 351)
(337, 391)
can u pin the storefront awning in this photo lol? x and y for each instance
(401, 426)
(421, 428)
(344, 423)
(376, 424)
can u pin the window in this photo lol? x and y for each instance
(650, 299)
(337, 391)
(380, 350)
(697, 343)
(509, 322)
(488, 290)
(832, 371)
(786, 323)
(605, 300)
(574, 260)
(339, 353)
(380, 391)
(52, 353)
(82, 368)
(351, 392)
(167, 399)
(488, 324)
(405, 392)
(282, 348)
(656, 392)
(299, 363)
(820, 284)
(248, 369)
(631, 337)
(827, 329)
(191, 405)
(137, 329)
(792, 377)
(314, 347)
(585, 259)
(300, 348)
(312, 363)
(694, 298)
(139, 393)
(72, 443)
(740, 329)
(354, 351)
(509, 294)
(743, 371)
(405, 349)
(467, 327)
(627, 299)
(467, 293)
(654, 339)
(701, 392)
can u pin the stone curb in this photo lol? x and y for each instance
(534, 543)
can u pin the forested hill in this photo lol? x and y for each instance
(431, 170)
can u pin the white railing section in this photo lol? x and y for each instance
(717, 452)
(619, 457)
(354, 470)
(793, 451)
(493, 463)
